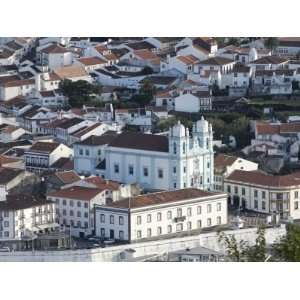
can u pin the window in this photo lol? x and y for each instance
(78, 224)
(6, 224)
(189, 211)
(86, 224)
(219, 220)
(64, 202)
(6, 233)
(296, 205)
(87, 152)
(209, 222)
(255, 193)
(169, 228)
(228, 189)
(116, 168)
(208, 165)
(130, 170)
(80, 152)
(149, 218)
(183, 148)
(199, 210)
(99, 152)
(102, 218)
(71, 213)
(209, 208)
(139, 234)
(86, 215)
(57, 201)
(121, 220)
(184, 170)
(189, 225)
(174, 170)
(243, 191)
(149, 232)
(121, 235)
(236, 190)
(174, 185)
(296, 194)
(79, 214)
(219, 206)
(86, 205)
(159, 230)
(263, 194)
(179, 227)
(160, 173)
(179, 212)
(255, 204)
(138, 220)
(158, 216)
(78, 203)
(64, 212)
(145, 172)
(111, 219)
(71, 203)
(169, 215)
(174, 148)
(263, 204)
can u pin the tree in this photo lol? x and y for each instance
(80, 92)
(241, 251)
(271, 43)
(288, 247)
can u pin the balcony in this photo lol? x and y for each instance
(179, 219)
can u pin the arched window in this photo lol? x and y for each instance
(183, 148)
(174, 148)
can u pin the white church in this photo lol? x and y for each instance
(156, 162)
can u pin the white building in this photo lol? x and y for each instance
(41, 155)
(265, 193)
(224, 165)
(195, 101)
(153, 161)
(75, 208)
(24, 216)
(152, 216)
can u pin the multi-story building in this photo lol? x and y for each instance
(75, 208)
(224, 165)
(155, 162)
(265, 193)
(154, 215)
(41, 155)
(24, 216)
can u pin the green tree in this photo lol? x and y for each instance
(288, 247)
(241, 251)
(271, 43)
(80, 92)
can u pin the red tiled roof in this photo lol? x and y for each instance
(91, 61)
(76, 192)
(262, 179)
(67, 176)
(162, 198)
(102, 183)
(266, 128)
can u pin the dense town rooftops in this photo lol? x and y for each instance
(46, 147)
(216, 61)
(188, 59)
(20, 82)
(95, 140)
(140, 45)
(67, 177)
(262, 179)
(76, 192)
(283, 128)
(70, 72)
(54, 49)
(69, 123)
(140, 141)
(8, 174)
(17, 202)
(91, 61)
(162, 198)
(221, 161)
(161, 80)
(5, 53)
(271, 59)
(103, 184)
(63, 163)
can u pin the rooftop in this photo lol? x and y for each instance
(76, 192)
(162, 198)
(262, 179)
(17, 202)
(46, 147)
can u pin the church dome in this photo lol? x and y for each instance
(202, 125)
(178, 129)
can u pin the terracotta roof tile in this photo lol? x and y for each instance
(76, 192)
